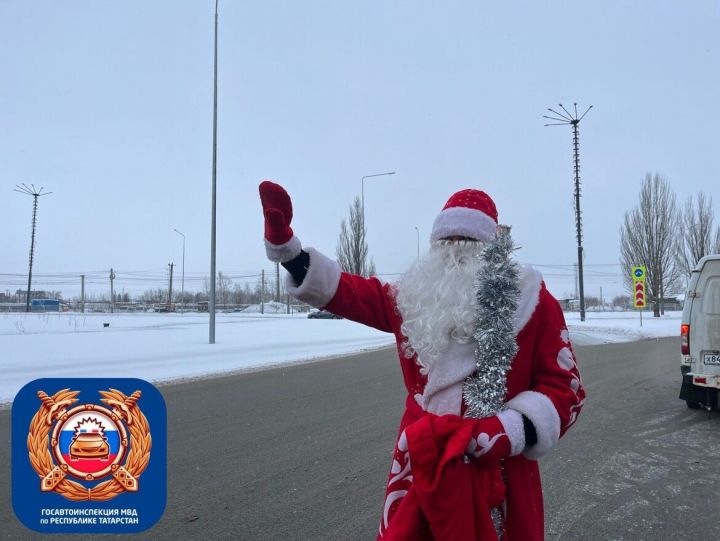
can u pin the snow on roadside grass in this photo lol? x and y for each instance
(162, 347)
(610, 327)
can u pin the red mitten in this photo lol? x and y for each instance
(281, 245)
(277, 209)
(489, 441)
(434, 441)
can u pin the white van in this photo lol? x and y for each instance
(700, 336)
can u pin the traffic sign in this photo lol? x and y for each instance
(638, 276)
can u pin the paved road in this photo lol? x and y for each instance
(301, 453)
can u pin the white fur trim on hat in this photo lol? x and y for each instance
(542, 414)
(465, 222)
(320, 283)
(513, 424)
(282, 253)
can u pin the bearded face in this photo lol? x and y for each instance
(436, 299)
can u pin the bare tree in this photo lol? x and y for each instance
(695, 236)
(224, 287)
(647, 237)
(352, 248)
(622, 301)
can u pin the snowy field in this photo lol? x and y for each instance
(163, 347)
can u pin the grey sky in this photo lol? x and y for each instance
(108, 105)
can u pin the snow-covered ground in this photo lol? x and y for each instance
(162, 347)
(609, 327)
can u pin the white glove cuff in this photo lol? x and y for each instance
(282, 253)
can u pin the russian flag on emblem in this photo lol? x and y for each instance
(89, 442)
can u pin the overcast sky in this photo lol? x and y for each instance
(109, 106)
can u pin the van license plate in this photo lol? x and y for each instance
(711, 358)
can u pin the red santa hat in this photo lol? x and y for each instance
(468, 213)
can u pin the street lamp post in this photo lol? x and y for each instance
(362, 189)
(418, 241)
(213, 219)
(182, 302)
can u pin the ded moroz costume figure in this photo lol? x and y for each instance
(490, 374)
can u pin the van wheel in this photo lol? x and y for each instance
(693, 405)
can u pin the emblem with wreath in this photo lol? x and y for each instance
(121, 410)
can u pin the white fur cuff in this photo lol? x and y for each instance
(320, 283)
(513, 424)
(542, 414)
(282, 253)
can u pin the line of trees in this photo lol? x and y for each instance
(227, 292)
(667, 239)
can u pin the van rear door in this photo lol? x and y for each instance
(705, 321)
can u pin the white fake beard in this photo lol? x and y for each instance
(436, 299)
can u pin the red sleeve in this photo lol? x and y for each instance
(556, 394)
(365, 300)
(556, 373)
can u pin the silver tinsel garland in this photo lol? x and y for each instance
(496, 303)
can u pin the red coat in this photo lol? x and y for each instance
(543, 384)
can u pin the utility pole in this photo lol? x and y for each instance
(573, 120)
(277, 282)
(112, 292)
(211, 299)
(576, 281)
(35, 193)
(82, 293)
(262, 292)
(171, 265)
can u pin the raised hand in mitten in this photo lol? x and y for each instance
(281, 244)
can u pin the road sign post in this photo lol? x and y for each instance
(639, 294)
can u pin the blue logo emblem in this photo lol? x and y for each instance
(89, 455)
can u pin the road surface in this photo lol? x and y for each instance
(302, 453)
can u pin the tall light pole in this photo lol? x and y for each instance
(418, 242)
(182, 301)
(573, 119)
(362, 189)
(35, 193)
(211, 299)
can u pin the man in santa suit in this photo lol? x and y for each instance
(455, 475)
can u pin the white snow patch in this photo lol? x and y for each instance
(162, 347)
(612, 327)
